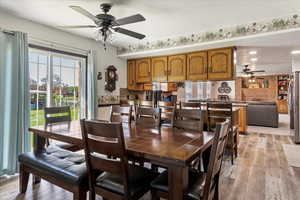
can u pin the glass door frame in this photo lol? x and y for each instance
(84, 69)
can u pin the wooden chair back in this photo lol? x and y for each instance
(218, 112)
(121, 114)
(147, 104)
(101, 142)
(189, 119)
(148, 116)
(190, 105)
(166, 109)
(57, 115)
(215, 160)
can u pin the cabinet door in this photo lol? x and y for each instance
(177, 68)
(282, 106)
(197, 66)
(143, 70)
(159, 67)
(130, 74)
(220, 64)
(131, 83)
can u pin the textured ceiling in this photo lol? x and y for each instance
(164, 18)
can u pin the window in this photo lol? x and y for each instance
(55, 80)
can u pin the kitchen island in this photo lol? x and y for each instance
(238, 106)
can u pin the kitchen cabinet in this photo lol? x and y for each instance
(177, 68)
(197, 66)
(143, 70)
(147, 87)
(243, 119)
(168, 87)
(159, 67)
(131, 81)
(282, 106)
(220, 64)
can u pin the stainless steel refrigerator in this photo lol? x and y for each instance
(294, 108)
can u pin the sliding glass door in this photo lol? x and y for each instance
(56, 80)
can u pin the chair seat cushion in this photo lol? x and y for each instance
(139, 180)
(59, 163)
(195, 187)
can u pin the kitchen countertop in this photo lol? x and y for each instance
(108, 104)
(234, 102)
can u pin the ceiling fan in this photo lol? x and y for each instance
(247, 72)
(106, 22)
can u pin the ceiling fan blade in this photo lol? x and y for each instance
(129, 20)
(85, 13)
(84, 26)
(129, 33)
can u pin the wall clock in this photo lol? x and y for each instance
(111, 77)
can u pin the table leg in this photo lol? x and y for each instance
(178, 182)
(39, 146)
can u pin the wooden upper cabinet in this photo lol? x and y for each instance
(130, 74)
(197, 66)
(131, 82)
(220, 64)
(177, 68)
(143, 70)
(159, 67)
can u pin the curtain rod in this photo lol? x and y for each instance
(7, 31)
(34, 39)
(48, 43)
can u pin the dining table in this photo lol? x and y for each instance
(171, 148)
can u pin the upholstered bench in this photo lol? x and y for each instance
(61, 167)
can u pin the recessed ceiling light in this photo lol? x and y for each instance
(295, 52)
(252, 52)
(253, 59)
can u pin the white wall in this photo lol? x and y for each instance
(102, 60)
(217, 84)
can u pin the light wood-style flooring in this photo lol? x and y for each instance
(260, 173)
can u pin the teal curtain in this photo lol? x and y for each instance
(14, 99)
(91, 87)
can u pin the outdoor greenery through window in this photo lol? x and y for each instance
(55, 80)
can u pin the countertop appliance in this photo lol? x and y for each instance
(294, 108)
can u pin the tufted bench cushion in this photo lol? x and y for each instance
(62, 164)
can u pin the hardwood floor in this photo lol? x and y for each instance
(261, 172)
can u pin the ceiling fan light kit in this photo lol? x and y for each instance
(107, 23)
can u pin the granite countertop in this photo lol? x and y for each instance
(108, 104)
(234, 102)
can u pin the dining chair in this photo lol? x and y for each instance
(190, 105)
(59, 115)
(148, 117)
(111, 178)
(147, 104)
(166, 111)
(201, 186)
(133, 104)
(121, 114)
(218, 112)
(189, 119)
(192, 120)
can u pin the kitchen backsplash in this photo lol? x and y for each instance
(207, 90)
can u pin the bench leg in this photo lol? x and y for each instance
(23, 180)
(79, 195)
(154, 195)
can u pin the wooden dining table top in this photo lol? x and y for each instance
(169, 145)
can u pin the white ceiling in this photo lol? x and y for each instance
(164, 18)
(171, 18)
